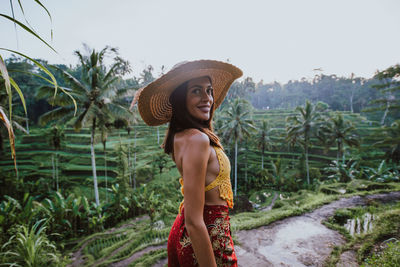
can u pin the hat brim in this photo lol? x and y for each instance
(153, 100)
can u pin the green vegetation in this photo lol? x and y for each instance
(150, 258)
(375, 245)
(29, 246)
(72, 213)
(91, 175)
(389, 257)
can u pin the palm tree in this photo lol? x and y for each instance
(339, 131)
(131, 123)
(95, 95)
(238, 123)
(300, 128)
(263, 139)
(391, 141)
(56, 136)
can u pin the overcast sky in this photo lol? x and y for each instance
(270, 40)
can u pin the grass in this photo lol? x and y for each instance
(297, 204)
(77, 144)
(388, 257)
(369, 245)
(139, 241)
(138, 236)
(75, 159)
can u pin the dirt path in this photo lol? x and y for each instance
(295, 241)
(300, 240)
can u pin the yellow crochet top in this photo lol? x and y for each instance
(223, 180)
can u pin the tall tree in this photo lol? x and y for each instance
(391, 141)
(238, 123)
(340, 131)
(240, 89)
(389, 87)
(301, 127)
(95, 96)
(263, 139)
(56, 136)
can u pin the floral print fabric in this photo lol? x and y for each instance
(216, 218)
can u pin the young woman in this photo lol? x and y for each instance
(186, 97)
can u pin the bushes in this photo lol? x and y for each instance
(242, 204)
(69, 217)
(29, 246)
(389, 257)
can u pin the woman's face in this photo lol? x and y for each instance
(199, 98)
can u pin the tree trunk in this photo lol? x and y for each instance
(93, 158)
(134, 163)
(57, 171)
(262, 159)
(351, 100)
(245, 171)
(27, 124)
(129, 164)
(245, 164)
(385, 113)
(236, 144)
(53, 171)
(230, 156)
(307, 167)
(339, 148)
(105, 171)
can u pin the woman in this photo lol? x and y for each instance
(186, 97)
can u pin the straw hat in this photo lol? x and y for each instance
(153, 99)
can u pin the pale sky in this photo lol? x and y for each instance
(268, 39)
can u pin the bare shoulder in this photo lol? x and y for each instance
(192, 139)
(197, 137)
(192, 136)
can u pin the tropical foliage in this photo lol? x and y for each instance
(279, 146)
(339, 131)
(97, 98)
(301, 127)
(238, 125)
(9, 83)
(30, 247)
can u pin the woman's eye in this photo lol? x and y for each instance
(196, 91)
(209, 91)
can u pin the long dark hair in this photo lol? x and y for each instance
(181, 119)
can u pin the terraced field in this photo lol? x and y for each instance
(135, 243)
(35, 154)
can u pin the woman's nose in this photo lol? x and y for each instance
(205, 96)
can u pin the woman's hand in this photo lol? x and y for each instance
(195, 156)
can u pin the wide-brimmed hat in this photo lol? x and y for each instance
(153, 99)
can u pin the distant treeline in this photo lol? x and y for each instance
(340, 93)
(353, 94)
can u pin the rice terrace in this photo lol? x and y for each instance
(84, 181)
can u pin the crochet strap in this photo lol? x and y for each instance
(222, 180)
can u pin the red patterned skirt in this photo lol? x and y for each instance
(216, 218)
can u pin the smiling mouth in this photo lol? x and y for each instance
(204, 109)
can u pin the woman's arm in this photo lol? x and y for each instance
(195, 157)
